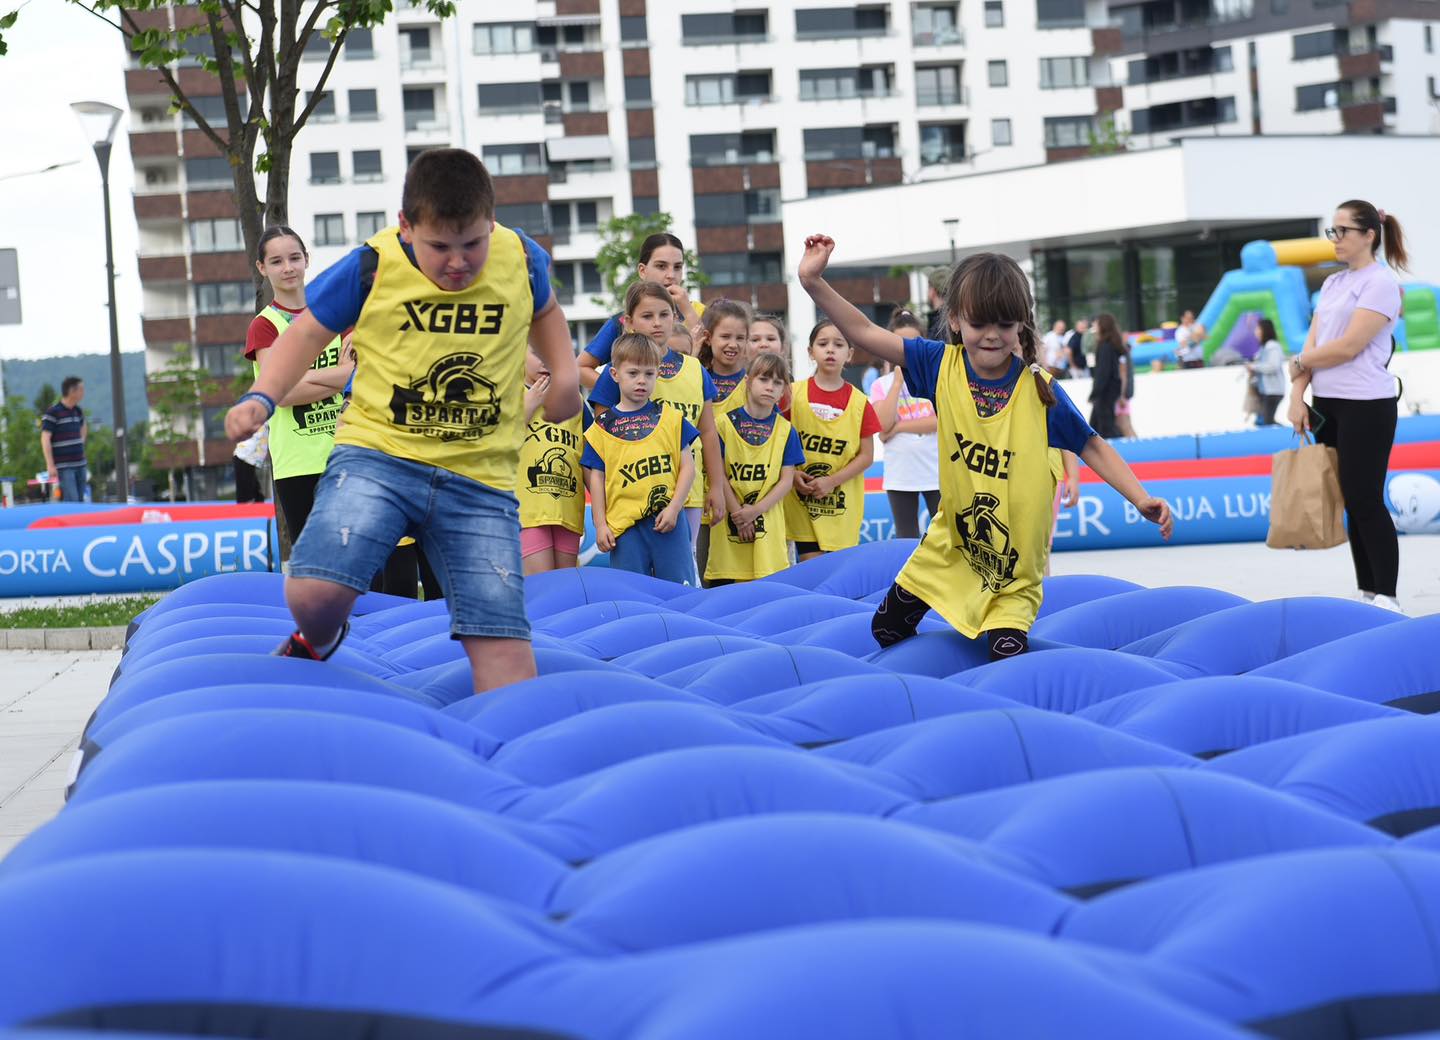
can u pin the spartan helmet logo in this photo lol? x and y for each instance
(453, 401)
(553, 475)
(658, 501)
(832, 504)
(985, 542)
(734, 533)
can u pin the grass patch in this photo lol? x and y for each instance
(100, 614)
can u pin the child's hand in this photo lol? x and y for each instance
(1071, 494)
(803, 483)
(745, 515)
(666, 519)
(817, 256)
(717, 506)
(244, 419)
(604, 540)
(821, 486)
(745, 531)
(347, 348)
(535, 395)
(1157, 511)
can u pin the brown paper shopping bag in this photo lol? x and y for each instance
(1306, 508)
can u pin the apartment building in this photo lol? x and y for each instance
(718, 112)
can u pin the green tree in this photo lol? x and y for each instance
(20, 453)
(1109, 138)
(100, 459)
(46, 397)
(254, 49)
(620, 241)
(177, 395)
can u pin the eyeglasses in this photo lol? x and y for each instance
(1337, 232)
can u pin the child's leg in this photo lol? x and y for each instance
(898, 616)
(539, 562)
(905, 512)
(319, 608)
(629, 553)
(498, 662)
(808, 550)
(567, 548)
(670, 554)
(537, 549)
(693, 516)
(1007, 642)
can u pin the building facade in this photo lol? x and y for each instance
(720, 112)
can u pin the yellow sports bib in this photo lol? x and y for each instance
(551, 487)
(302, 435)
(981, 562)
(440, 375)
(753, 470)
(640, 476)
(833, 521)
(736, 398)
(685, 390)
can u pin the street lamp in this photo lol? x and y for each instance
(99, 121)
(952, 225)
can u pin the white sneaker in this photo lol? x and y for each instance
(1365, 597)
(1388, 603)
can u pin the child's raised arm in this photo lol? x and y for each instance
(1116, 472)
(859, 330)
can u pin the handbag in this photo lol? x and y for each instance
(1307, 510)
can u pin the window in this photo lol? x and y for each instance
(1198, 61)
(211, 109)
(581, 217)
(1321, 44)
(1070, 131)
(366, 165)
(369, 224)
(359, 44)
(942, 143)
(637, 91)
(419, 106)
(761, 206)
(936, 25)
(1058, 73)
(1180, 115)
(362, 104)
(1279, 7)
(742, 268)
(329, 229)
(850, 142)
(317, 48)
(724, 27)
(727, 89)
(507, 38)
(1060, 14)
(224, 297)
(1000, 133)
(938, 84)
(216, 236)
(994, 14)
(212, 420)
(647, 204)
(828, 84)
(579, 96)
(833, 22)
(999, 73)
(208, 173)
(325, 108)
(642, 152)
(506, 160)
(510, 97)
(633, 29)
(223, 359)
(1315, 96)
(324, 167)
(751, 146)
(415, 47)
(524, 216)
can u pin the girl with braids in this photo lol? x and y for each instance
(981, 563)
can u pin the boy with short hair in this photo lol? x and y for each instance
(442, 306)
(638, 466)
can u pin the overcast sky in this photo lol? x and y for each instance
(59, 54)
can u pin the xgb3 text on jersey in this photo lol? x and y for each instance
(982, 459)
(453, 319)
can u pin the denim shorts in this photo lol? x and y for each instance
(367, 501)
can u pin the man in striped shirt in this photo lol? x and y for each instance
(62, 437)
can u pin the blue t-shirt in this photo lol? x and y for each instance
(604, 340)
(1067, 427)
(757, 431)
(632, 426)
(606, 391)
(725, 385)
(337, 296)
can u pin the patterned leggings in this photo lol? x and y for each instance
(900, 613)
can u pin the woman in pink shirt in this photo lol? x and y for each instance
(1344, 364)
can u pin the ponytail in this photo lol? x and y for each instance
(1394, 240)
(1386, 229)
(1030, 356)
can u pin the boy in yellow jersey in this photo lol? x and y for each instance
(761, 451)
(981, 563)
(638, 468)
(837, 428)
(551, 486)
(443, 306)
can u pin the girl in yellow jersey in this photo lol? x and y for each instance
(551, 486)
(837, 428)
(725, 328)
(761, 450)
(980, 564)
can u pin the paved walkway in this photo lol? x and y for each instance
(48, 697)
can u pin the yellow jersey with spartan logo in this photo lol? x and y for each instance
(302, 435)
(753, 470)
(640, 475)
(833, 521)
(551, 488)
(439, 376)
(685, 390)
(981, 562)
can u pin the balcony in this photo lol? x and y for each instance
(425, 121)
(928, 97)
(421, 60)
(168, 266)
(1366, 61)
(939, 38)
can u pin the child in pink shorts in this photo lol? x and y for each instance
(551, 488)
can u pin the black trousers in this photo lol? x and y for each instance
(295, 496)
(247, 482)
(1102, 415)
(1268, 404)
(1362, 434)
(905, 510)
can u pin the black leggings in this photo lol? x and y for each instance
(905, 510)
(295, 496)
(1102, 416)
(1362, 434)
(899, 614)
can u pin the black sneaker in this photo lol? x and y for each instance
(298, 646)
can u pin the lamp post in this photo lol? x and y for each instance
(952, 225)
(99, 122)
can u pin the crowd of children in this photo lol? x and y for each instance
(704, 460)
